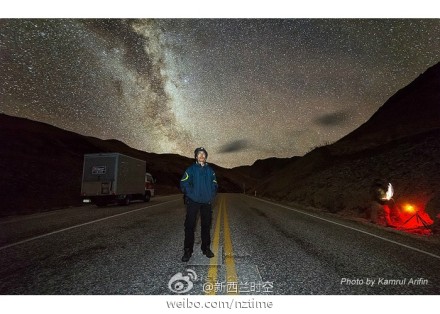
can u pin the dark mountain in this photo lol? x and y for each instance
(41, 166)
(400, 144)
(412, 110)
(261, 168)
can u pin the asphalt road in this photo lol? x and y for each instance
(261, 248)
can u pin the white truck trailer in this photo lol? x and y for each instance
(110, 177)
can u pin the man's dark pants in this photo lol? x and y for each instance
(192, 210)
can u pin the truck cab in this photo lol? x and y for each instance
(149, 186)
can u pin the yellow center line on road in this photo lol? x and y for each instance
(211, 280)
(212, 284)
(231, 273)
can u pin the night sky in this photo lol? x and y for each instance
(244, 89)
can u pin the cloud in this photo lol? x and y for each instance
(332, 119)
(234, 146)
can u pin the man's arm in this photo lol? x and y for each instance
(214, 183)
(186, 184)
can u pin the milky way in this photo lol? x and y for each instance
(244, 89)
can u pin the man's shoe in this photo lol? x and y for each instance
(187, 255)
(208, 253)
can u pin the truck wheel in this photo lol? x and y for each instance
(125, 201)
(101, 204)
(147, 196)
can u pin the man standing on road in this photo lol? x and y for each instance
(199, 185)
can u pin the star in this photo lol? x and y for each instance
(259, 87)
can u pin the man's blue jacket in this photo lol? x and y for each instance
(199, 183)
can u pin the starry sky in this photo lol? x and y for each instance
(245, 89)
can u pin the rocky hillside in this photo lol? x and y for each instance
(400, 144)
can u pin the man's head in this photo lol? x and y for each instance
(200, 154)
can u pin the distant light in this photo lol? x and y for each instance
(409, 208)
(86, 200)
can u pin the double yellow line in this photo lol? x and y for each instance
(231, 273)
